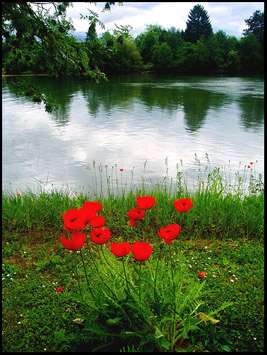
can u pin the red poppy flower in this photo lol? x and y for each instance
(74, 220)
(121, 169)
(97, 222)
(248, 166)
(90, 213)
(59, 289)
(136, 213)
(145, 202)
(170, 232)
(100, 235)
(120, 249)
(93, 204)
(183, 205)
(18, 194)
(141, 250)
(202, 274)
(75, 242)
(251, 162)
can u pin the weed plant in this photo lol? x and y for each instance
(165, 306)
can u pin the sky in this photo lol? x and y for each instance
(226, 16)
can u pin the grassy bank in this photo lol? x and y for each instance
(222, 235)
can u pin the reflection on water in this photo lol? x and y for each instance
(127, 121)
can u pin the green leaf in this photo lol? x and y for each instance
(113, 320)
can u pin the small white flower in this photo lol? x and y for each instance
(232, 280)
(255, 338)
(24, 252)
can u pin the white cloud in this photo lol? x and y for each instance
(226, 16)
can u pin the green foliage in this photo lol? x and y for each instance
(256, 26)
(251, 60)
(38, 41)
(162, 57)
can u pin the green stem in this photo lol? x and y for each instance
(155, 281)
(87, 280)
(174, 300)
(106, 259)
(101, 276)
(140, 284)
(77, 276)
(128, 291)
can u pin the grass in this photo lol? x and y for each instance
(222, 235)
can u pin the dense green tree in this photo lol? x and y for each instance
(162, 57)
(187, 61)
(57, 49)
(120, 53)
(198, 24)
(174, 38)
(250, 55)
(147, 40)
(255, 25)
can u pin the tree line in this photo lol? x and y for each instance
(36, 39)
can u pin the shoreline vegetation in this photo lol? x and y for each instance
(222, 235)
(45, 43)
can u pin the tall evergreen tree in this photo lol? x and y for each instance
(198, 24)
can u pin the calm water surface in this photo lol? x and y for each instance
(150, 123)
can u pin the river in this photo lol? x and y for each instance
(151, 126)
